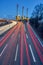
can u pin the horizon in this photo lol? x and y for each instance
(8, 7)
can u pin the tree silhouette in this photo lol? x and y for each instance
(37, 15)
(38, 11)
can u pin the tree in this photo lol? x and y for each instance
(37, 14)
(38, 11)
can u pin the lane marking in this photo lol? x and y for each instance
(24, 28)
(16, 53)
(21, 44)
(32, 53)
(3, 50)
(8, 35)
(27, 50)
(26, 36)
(37, 37)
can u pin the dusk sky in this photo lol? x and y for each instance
(8, 7)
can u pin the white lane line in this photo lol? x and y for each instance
(24, 28)
(16, 53)
(26, 36)
(37, 37)
(32, 53)
(3, 50)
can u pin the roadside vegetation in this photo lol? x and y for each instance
(36, 20)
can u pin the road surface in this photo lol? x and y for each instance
(20, 46)
(7, 27)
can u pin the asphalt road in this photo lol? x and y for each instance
(20, 46)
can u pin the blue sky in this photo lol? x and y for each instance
(8, 7)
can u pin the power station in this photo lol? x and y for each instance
(18, 17)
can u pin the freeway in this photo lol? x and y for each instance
(20, 46)
(7, 27)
